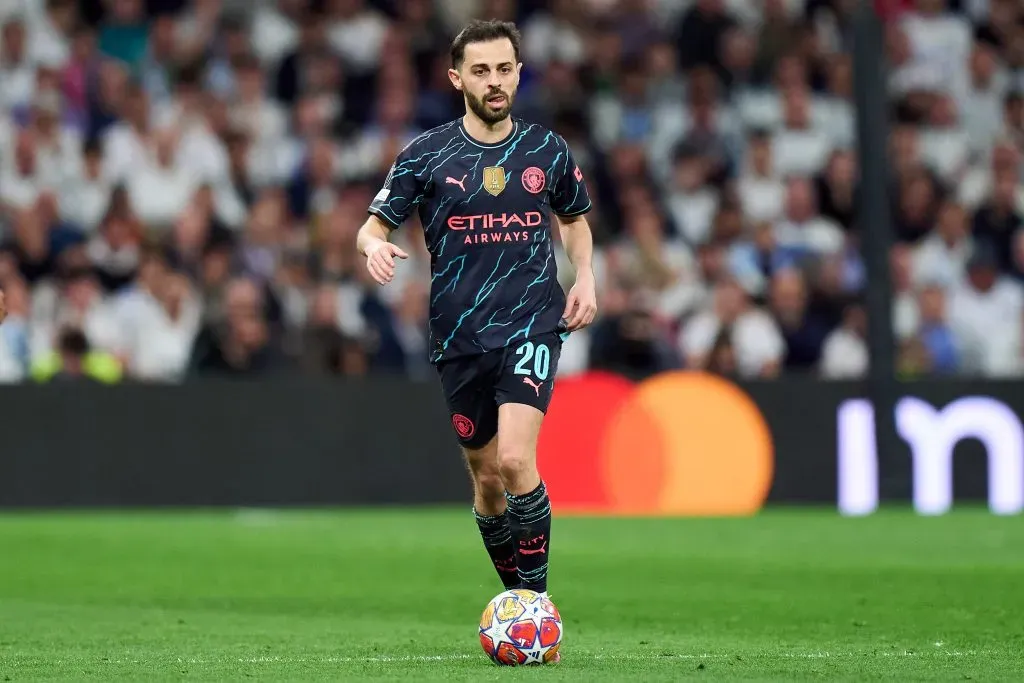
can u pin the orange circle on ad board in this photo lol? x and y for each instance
(713, 446)
(632, 466)
(680, 443)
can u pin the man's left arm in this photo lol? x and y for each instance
(570, 202)
(581, 302)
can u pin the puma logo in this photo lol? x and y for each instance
(539, 543)
(452, 181)
(536, 387)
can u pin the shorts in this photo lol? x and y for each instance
(474, 386)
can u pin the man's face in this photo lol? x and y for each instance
(488, 78)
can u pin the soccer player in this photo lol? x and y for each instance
(484, 186)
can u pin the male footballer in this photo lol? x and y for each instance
(484, 186)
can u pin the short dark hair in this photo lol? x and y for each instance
(480, 31)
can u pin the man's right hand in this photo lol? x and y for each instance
(380, 261)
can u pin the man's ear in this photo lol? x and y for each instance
(455, 78)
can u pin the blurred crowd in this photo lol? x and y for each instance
(181, 182)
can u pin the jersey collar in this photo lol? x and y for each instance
(492, 145)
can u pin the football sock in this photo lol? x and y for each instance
(497, 535)
(529, 516)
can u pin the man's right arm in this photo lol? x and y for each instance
(373, 232)
(372, 242)
(391, 206)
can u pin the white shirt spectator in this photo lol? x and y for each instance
(17, 84)
(547, 39)
(762, 199)
(844, 355)
(905, 315)
(85, 202)
(756, 339)
(359, 39)
(156, 346)
(982, 113)
(802, 152)
(943, 41)
(977, 186)
(158, 194)
(18, 190)
(988, 327)
(946, 151)
(198, 148)
(46, 44)
(273, 35)
(124, 150)
(836, 118)
(763, 108)
(59, 155)
(694, 213)
(349, 318)
(265, 120)
(936, 262)
(13, 334)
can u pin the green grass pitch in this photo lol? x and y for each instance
(396, 595)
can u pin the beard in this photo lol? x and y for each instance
(484, 111)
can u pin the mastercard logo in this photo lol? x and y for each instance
(679, 443)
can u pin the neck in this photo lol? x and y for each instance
(487, 133)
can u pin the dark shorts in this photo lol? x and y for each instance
(475, 386)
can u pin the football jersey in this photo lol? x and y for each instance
(485, 210)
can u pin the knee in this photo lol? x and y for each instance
(489, 485)
(514, 465)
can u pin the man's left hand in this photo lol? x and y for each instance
(581, 304)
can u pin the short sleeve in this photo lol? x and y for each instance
(402, 190)
(568, 194)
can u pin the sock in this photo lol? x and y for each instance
(500, 547)
(529, 517)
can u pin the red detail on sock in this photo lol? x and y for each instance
(508, 565)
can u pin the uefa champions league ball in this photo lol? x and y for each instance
(520, 628)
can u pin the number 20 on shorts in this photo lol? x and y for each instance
(540, 354)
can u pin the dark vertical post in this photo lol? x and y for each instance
(875, 226)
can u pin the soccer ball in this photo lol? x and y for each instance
(520, 627)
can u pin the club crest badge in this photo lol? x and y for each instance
(534, 180)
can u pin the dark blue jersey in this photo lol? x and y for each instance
(485, 210)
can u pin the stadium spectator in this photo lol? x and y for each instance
(844, 353)
(74, 360)
(754, 337)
